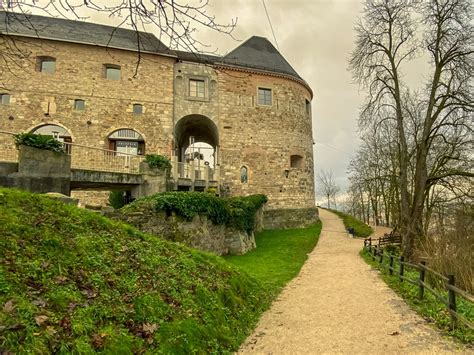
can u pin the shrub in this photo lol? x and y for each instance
(39, 141)
(242, 210)
(158, 161)
(238, 212)
(116, 199)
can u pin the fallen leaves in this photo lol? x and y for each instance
(41, 320)
(9, 306)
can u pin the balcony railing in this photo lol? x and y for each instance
(91, 158)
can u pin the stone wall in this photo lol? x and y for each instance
(39, 170)
(200, 233)
(39, 98)
(289, 218)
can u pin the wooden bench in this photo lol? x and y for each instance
(387, 239)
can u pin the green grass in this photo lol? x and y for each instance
(360, 228)
(72, 281)
(279, 255)
(430, 307)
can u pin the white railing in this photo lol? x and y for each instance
(193, 171)
(90, 158)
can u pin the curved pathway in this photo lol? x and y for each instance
(338, 304)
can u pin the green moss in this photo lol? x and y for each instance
(105, 286)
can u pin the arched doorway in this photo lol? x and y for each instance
(126, 141)
(197, 138)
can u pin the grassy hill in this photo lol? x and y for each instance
(73, 281)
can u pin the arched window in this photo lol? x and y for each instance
(296, 161)
(244, 175)
(57, 132)
(128, 141)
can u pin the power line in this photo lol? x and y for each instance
(270, 22)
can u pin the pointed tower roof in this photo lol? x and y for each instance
(259, 53)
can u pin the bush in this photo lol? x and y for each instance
(116, 199)
(39, 141)
(158, 161)
(360, 228)
(237, 212)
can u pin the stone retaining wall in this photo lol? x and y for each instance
(200, 233)
(289, 218)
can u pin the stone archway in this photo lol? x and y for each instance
(196, 131)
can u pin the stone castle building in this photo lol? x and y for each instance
(93, 85)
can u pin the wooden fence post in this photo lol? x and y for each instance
(390, 270)
(381, 256)
(421, 290)
(402, 267)
(452, 300)
(374, 252)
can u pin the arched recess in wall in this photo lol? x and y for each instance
(126, 141)
(197, 137)
(59, 133)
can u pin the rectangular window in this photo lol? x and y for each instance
(47, 65)
(197, 88)
(4, 99)
(308, 107)
(112, 72)
(79, 105)
(264, 96)
(137, 109)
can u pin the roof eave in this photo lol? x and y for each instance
(90, 44)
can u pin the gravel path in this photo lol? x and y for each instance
(338, 304)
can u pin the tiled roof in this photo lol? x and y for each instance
(79, 32)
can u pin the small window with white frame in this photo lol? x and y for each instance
(4, 99)
(197, 88)
(264, 96)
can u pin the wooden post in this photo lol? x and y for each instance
(374, 252)
(421, 290)
(390, 270)
(381, 256)
(452, 300)
(402, 267)
(370, 242)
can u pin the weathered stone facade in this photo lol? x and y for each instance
(273, 143)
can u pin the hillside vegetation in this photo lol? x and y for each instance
(73, 281)
(360, 228)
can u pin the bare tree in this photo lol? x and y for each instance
(385, 40)
(328, 186)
